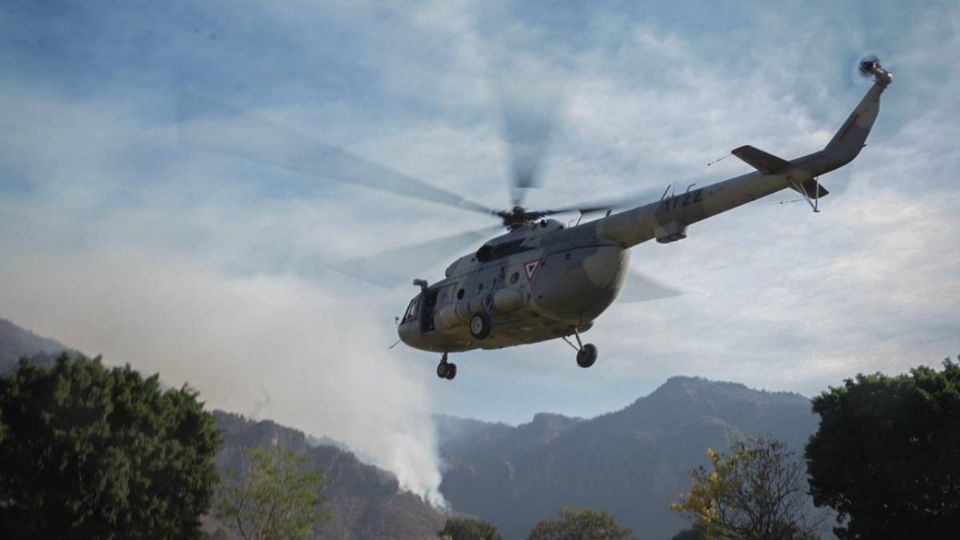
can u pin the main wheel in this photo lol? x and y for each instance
(480, 325)
(587, 355)
(451, 372)
(442, 369)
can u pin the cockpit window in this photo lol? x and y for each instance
(412, 310)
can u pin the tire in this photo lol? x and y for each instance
(480, 325)
(587, 355)
(451, 372)
(442, 370)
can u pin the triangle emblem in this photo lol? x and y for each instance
(531, 268)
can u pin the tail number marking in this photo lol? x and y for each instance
(691, 197)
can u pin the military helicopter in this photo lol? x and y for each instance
(544, 280)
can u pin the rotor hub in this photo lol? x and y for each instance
(518, 217)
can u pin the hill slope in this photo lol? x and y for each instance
(633, 462)
(16, 342)
(365, 502)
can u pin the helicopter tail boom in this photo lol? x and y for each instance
(668, 219)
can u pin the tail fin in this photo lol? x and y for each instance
(771, 164)
(760, 160)
(850, 139)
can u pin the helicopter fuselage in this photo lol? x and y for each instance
(538, 282)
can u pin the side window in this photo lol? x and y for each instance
(412, 310)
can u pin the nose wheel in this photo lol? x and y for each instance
(446, 370)
(586, 354)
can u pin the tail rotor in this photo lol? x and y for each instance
(869, 66)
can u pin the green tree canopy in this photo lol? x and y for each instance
(469, 529)
(756, 492)
(91, 452)
(575, 524)
(274, 496)
(886, 456)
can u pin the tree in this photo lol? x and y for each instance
(91, 452)
(469, 529)
(273, 496)
(580, 525)
(697, 532)
(886, 456)
(756, 492)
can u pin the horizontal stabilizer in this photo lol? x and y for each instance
(810, 188)
(760, 160)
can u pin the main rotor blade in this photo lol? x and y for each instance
(207, 124)
(528, 122)
(640, 288)
(395, 266)
(638, 198)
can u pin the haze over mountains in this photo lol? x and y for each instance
(633, 462)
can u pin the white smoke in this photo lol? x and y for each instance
(179, 269)
(260, 405)
(326, 366)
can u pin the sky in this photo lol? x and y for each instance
(164, 200)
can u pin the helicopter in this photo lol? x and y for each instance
(544, 280)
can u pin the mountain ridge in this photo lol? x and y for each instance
(632, 462)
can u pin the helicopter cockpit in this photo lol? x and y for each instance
(421, 307)
(412, 310)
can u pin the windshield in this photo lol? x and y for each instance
(412, 309)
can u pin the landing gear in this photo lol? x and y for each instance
(586, 354)
(446, 370)
(480, 325)
(811, 191)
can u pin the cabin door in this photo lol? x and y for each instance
(427, 309)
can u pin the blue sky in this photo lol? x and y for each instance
(122, 236)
